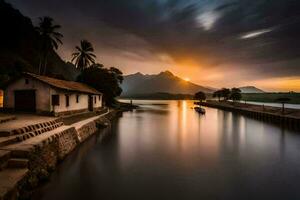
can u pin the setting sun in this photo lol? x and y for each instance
(187, 79)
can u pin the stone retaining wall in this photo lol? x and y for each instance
(45, 156)
(86, 130)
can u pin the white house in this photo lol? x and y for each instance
(41, 94)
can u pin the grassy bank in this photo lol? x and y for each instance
(271, 97)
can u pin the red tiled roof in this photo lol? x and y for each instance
(65, 85)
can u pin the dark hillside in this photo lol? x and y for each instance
(20, 45)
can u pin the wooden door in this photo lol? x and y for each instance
(25, 100)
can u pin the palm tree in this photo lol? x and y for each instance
(51, 38)
(84, 56)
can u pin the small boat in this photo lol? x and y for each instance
(200, 110)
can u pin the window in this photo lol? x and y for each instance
(26, 81)
(55, 100)
(95, 99)
(67, 101)
(77, 98)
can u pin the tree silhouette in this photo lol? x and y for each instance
(225, 93)
(200, 96)
(51, 38)
(217, 94)
(235, 94)
(108, 84)
(84, 56)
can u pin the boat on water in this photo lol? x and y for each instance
(200, 110)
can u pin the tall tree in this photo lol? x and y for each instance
(51, 38)
(84, 56)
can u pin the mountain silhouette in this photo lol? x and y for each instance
(164, 82)
(251, 89)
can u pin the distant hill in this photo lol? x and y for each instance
(19, 49)
(164, 82)
(251, 89)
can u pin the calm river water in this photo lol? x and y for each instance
(165, 150)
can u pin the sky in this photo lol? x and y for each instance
(217, 43)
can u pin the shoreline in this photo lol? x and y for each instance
(290, 119)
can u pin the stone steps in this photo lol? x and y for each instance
(17, 163)
(22, 149)
(8, 160)
(20, 153)
(9, 178)
(12, 172)
(8, 140)
(4, 141)
(40, 131)
(8, 118)
(4, 157)
(30, 128)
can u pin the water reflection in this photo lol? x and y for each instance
(165, 150)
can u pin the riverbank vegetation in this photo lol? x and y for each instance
(271, 97)
(200, 96)
(105, 80)
(233, 94)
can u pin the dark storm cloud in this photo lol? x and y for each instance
(263, 34)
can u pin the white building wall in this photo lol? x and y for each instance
(98, 102)
(73, 105)
(42, 93)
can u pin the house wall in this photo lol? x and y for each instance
(82, 105)
(74, 107)
(98, 103)
(42, 94)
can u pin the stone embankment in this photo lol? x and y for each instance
(29, 154)
(289, 119)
